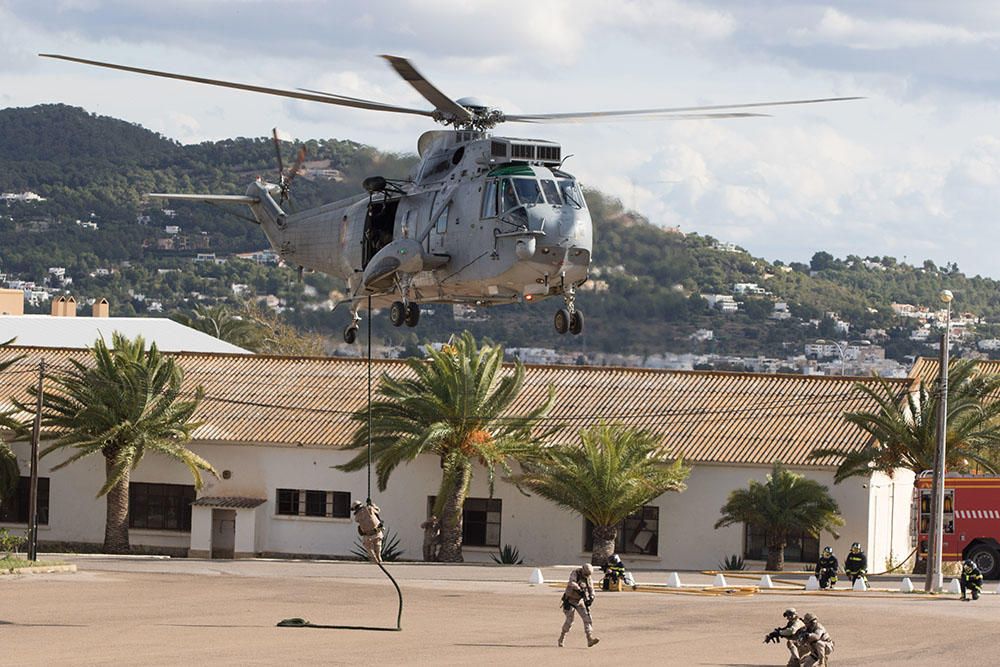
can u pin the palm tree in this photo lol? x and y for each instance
(454, 406)
(223, 323)
(125, 403)
(10, 473)
(786, 503)
(616, 471)
(904, 432)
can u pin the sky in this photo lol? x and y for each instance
(911, 171)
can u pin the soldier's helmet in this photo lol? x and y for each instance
(809, 617)
(790, 613)
(588, 569)
(827, 551)
(856, 547)
(356, 505)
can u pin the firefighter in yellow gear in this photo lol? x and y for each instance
(826, 568)
(971, 580)
(856, 564)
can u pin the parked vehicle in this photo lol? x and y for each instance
(971, 520)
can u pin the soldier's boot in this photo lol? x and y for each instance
(562, 636)
(592, 641)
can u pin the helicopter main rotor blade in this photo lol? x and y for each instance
(666, 112)
(299, 95)
(441, 102)
(632, 118)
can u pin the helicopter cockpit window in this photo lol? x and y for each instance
(508, 197)
(528, 191)
(441, 226)
(571, 193)
(552, 192)
(490, 200)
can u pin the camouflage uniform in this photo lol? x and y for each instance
(576, 599)
(793, 627)
(432, 538)
(369, 528)
(817, 643)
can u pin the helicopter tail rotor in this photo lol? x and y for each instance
(285, 180)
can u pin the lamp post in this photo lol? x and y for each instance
(934, 581)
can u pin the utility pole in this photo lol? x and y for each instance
(935, 550)
(33, 488)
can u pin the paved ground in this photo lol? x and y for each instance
(167, 612)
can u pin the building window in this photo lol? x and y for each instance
(800, 548)
(309, 502)
(480, 521)
(639, 533)
(14, 508)
(160, 506)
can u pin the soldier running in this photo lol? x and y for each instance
(817, 642)
(826, 568)
(576, 599)
(856, 564)
(791, 631)
(369, 528)
(971, 579)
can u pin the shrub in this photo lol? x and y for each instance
(734, 562)
(390, 547)
(10, 543)
(507, 556)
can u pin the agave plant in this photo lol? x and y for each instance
(731, 563)
(507, 556)
(390, 548)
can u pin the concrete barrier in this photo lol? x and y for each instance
(906, 586)
(812, 584)
(720, 580)
(859, 585)
(536, 577)
(674, 580)
(765, 582)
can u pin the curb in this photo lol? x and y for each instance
(44, 569)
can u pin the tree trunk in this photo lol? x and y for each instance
(604, 544)
(451, 517)
(776, 556)
(116, 520)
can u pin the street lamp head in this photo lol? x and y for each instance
(946, 295)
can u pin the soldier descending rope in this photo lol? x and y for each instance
(369, 527)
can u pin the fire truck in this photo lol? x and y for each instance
(971, 520)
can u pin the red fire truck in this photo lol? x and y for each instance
(971, 520)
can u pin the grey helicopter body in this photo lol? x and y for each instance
(481, 220)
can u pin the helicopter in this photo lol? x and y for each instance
(481, 220)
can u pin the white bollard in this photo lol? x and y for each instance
(812, 584)
(765, 582)
(954, 586)
(906, 586)
(998, 589)
(859, 585)
(536, 577)
(720, 581)
(674, 580)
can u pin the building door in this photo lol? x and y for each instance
(223, 533)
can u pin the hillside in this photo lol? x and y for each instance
(648, 289)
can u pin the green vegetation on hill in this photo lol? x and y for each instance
(648, 284)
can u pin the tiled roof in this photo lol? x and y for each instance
(739, 418)
(229, 502)
(927, 369)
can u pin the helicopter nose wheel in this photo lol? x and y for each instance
(350, 334)
(562, 321)
(412, 314)
(397, 313)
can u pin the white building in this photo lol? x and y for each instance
(275, 428)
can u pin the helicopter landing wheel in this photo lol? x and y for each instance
(397, 313)
(562, 321)
(412, 314)
(350, 334)
(576, 322)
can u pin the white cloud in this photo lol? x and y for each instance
(837, 27)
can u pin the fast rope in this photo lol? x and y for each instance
(303, 623)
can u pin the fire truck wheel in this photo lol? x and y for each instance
(987, 559)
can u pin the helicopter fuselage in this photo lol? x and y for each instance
(493, 220)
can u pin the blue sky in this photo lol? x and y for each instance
(912, 171)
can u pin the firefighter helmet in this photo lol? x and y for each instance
(856, 547)
(827, 551)
(968, 565)
(615, 560)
